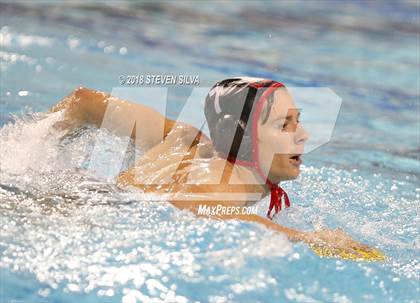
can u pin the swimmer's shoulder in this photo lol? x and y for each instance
(211, 171)
(240, 180)
(184, 135)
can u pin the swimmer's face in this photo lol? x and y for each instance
(281, 137)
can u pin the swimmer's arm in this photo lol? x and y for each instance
(293, 235)
(86, 106)
(325, 243)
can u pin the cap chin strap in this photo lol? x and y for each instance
(276, 191)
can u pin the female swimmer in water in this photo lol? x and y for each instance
(256, 141)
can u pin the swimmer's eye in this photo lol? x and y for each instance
(289, 126)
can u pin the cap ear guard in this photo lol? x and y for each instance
(225, 130)
(245, 153)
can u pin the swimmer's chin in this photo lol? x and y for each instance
(289, 177)
(292, 175)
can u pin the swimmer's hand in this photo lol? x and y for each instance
(335, 243)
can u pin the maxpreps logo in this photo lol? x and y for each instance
(319, 108)
(221, 210)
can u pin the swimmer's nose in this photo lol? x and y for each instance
(301, 135)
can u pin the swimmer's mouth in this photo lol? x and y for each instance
(296, 160)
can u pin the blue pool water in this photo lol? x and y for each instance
(70, 236)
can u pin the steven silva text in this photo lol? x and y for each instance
(134, 80)
(220, 209)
